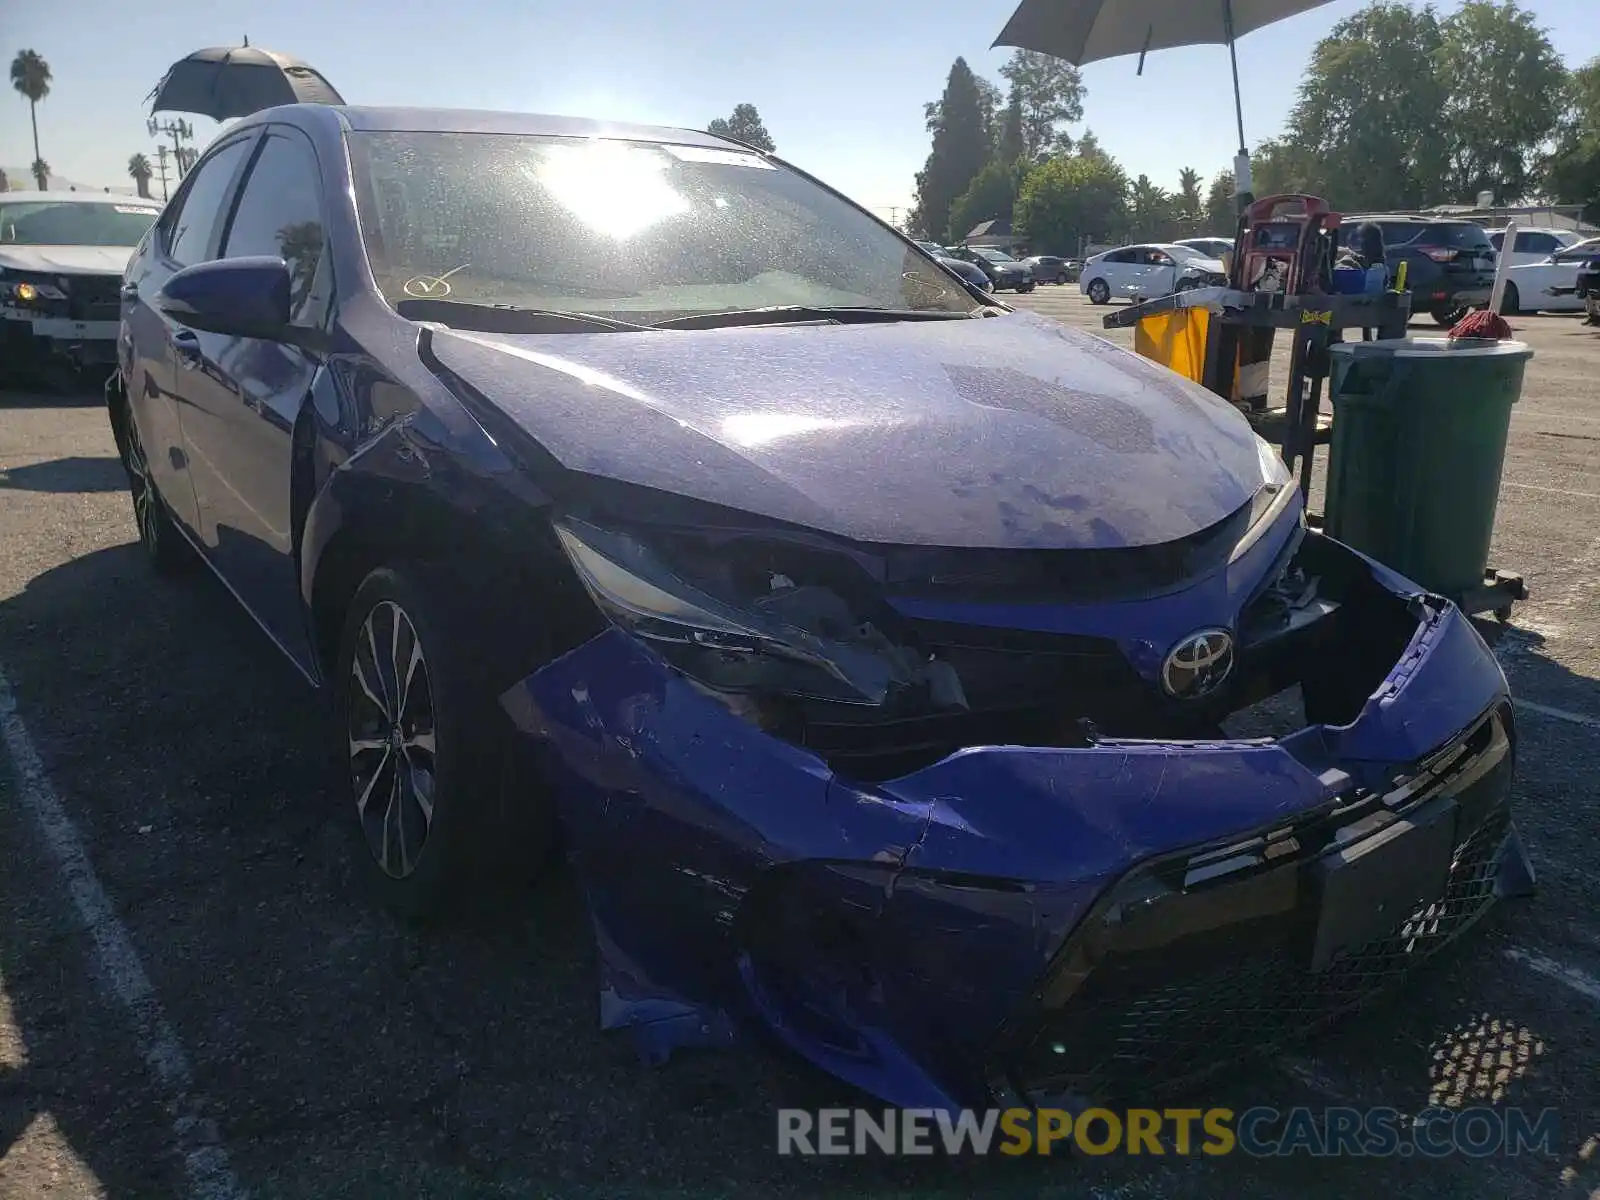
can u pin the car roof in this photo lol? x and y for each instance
(364, 119)
(1412, 218)
(81, 198)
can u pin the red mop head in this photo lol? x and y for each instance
(1481, 323)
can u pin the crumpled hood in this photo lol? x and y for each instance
(67, 260)
(1010, 432)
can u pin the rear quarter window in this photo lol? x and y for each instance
(1460, 236)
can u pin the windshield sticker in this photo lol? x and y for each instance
(135, 208)
(722, 158)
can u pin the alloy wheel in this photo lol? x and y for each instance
(391, 731)
(146, 515)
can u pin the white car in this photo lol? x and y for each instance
(1213, 247)
(1529, 285)
(1535, 245)
(62, 255)
(1147, 271)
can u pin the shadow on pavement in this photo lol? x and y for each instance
(45, 397)
(77, 474)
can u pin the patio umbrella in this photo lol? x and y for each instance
(1086, 31)
(235, 81)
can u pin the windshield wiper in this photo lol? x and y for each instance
(778, 314)
(507, 318)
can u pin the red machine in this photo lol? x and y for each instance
(1285, 244)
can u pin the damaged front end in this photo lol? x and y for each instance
(939, 822)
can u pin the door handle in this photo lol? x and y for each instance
(130, 291)
(187, 345)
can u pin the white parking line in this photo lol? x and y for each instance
(1579, 981)
(205, 1159)
(1532, 487)
(1560, 714)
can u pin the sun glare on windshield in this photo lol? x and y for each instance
(616, 190)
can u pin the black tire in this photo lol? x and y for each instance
(1511, 302)
(1447, 317)
(1025, 288)
(167, 550)
(464, 816)
(1099, 292)
(1061, 278)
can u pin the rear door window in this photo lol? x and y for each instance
(1399, 233)
(1536, 243)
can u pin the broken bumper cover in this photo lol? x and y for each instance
(1036, 923)
(29, 338)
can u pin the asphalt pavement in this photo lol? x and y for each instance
(197, 998)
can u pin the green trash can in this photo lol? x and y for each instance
(1419, 439)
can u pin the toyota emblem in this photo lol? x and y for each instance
(1198, 665)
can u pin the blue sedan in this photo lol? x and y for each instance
(953, 695)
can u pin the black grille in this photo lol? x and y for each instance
(1128, 1036)
(1022, 688)
(1061, 576)
(94, 297)
(1127, 1017)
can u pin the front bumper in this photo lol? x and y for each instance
(26, 337)
(1447, 295)
(932, 938)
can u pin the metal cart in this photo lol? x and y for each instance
(1315, 322)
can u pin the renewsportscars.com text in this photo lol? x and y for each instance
(1259, 1132)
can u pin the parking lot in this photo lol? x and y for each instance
(195, 993)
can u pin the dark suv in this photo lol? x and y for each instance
(1452, 262)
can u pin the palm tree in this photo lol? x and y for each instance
(30, 75)
(41, 172)
(139, 169)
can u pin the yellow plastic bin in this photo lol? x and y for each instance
(1175, 339)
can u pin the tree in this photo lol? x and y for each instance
(992, 102)
(1150, 211)
(1189, 202)
(30, 76)
(1222, 211)
(1503, 84)
(1277, 168)
(1089, 146)
(744, 126)
(5, 184)
(1366, 129)
(1064, 201)
(139, 170)
(962, 146)
(1049, 92)
(1011, 146)
(1572, 170)
(991, 196)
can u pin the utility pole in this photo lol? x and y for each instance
(178, 131)
(161, 170)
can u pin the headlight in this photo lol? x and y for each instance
(1273, 496)
(28, 291)
(785, 638)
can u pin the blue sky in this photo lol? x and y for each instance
(840, 83)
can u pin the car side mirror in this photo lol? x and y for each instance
(245, 297)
